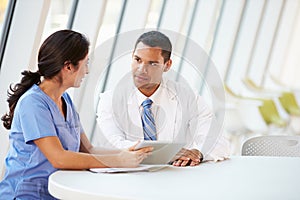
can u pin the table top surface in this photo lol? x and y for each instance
(239, 177)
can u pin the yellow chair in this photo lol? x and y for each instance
(229, 91)
(270, 114)
(289, 103)
(268, 108)
(250, 83)
(266, 92)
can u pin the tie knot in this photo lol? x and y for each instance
(147, 103)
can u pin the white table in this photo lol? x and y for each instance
(250, 178)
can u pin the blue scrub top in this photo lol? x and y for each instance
(27, 169)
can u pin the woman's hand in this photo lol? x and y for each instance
(128, 157)
(131, 158)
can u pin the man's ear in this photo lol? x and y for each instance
(168, 65)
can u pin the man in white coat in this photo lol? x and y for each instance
(175, 112)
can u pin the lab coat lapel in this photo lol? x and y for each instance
(135, 123)
(169, 103)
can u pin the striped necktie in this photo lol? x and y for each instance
(148, 121)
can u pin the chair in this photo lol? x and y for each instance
(289, 103)
(267, 108)
(273, 145)
(274, 95)
(270, 114)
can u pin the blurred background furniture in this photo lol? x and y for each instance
(272, 145)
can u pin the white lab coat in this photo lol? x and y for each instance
(180, 116)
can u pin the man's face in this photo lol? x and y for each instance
(147, 68)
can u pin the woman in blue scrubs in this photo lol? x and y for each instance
(45, 129)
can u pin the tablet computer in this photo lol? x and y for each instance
(162, 153)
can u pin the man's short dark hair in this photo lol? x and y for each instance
(156, 39)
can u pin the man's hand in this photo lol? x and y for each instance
(187, 157)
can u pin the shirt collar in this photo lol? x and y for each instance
(155, 97)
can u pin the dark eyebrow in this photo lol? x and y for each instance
(150, 62)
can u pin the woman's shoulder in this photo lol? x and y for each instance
(32, 99)
(33, 94)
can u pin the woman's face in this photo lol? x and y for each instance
(81, 71)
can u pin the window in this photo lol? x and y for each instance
(3, 5)
(58, 16)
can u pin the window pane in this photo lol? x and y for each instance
(280, 50)
(221, 47)
(3, 5)
(244, 44)
(262, 47)
(154, 14)
(111, 18)
(58, 15)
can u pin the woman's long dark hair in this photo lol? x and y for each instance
(60, 47)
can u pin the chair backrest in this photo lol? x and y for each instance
(289, 103)
(273, 145)
(270, 113)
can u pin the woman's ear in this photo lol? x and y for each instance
(67, 65)
(168, 65)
